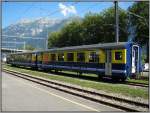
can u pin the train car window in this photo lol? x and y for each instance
(33, 57)
(118, 55)
(53, 57)
(70, 57)
(81, 57)
(45, 56)
(60, 57)
(93, 57)
(28, 56)
(21, 58)
(39, 57)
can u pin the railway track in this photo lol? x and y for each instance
(144, 85)
(137, 84)
(121, 103)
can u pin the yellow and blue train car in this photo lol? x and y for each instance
(116, 60)
(26, 59)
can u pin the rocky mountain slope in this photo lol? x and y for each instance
(29, 31)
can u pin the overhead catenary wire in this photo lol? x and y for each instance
(92, 6)
(52, 13)
(56, 11)
(136, 15)
(22, 36)
(24, 12)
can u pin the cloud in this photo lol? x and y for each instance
(65, 10)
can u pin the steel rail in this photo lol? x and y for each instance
(137, 84)
(144, 85)
(80, 92)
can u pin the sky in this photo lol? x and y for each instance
(13, 12)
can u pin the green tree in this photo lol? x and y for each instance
(139, 14)
(101, 27)
(94, 28)
(29, 47)
(72, 34)
(109, 25)
(53, 39)
(69, 35)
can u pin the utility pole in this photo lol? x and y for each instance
(15, 46)
(46, 42)
(117, 22)
(24, 43)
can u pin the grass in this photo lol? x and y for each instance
(139, 81)
(107, 87)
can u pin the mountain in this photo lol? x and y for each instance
(29, 28)
(32, 32)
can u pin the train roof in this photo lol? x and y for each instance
(87, 47)
(93, 46)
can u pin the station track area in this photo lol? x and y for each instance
(121, 103)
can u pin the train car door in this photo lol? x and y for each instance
(39, 57)
(135, 59)
(108, 65)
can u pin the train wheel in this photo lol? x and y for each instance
(100, 77)
(79, 73)
(115, 79)
(56, 71)
(123, 79)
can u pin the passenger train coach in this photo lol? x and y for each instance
(116, 60)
